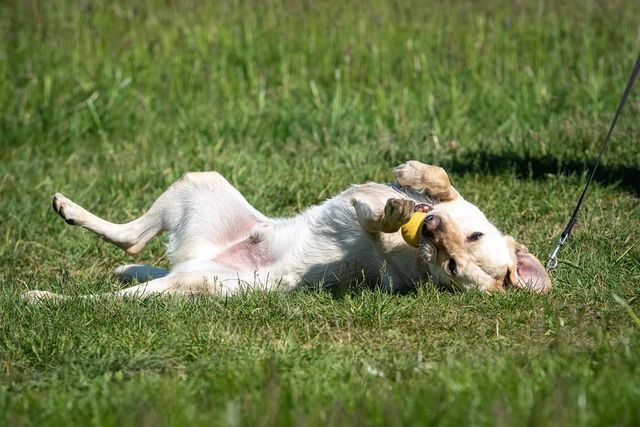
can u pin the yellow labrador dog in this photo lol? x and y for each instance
(220, 244)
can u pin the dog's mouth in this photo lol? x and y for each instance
(423, 207)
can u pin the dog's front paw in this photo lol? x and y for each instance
(396, 213)
(65, 208)
(410, 174)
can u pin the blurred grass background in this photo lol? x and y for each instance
(110, 102)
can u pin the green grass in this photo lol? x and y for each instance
(293, 101)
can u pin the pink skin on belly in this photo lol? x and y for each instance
(249, 254)
(239, 229)
(239, 257)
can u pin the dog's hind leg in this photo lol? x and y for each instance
(131, 237)
(163, 285)
(210, 216)
(189, 284)
(180, 284)
(202, 212)
(138, 272)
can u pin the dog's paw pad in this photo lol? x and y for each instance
(65, 208)
(397, 212)
(398, 208)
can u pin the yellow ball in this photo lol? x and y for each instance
(411, 230)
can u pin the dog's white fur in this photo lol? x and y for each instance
(219, 244)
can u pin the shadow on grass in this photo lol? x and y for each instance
(538, 167)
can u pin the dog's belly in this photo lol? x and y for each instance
(324, 245)
(240, 257)
(248, 255)
(313, 260)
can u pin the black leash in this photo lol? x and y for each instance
(552, 263)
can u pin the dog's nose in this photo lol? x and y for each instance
(431, 222)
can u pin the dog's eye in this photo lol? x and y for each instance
(451, 266)
(475, 236)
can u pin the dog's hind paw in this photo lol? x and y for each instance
(39, 296)
(65, 208)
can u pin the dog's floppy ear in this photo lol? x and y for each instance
(430, 179)
(527, 271)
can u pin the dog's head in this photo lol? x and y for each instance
(464, 250)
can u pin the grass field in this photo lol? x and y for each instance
(110, 102)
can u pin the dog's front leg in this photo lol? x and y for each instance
(374, 217)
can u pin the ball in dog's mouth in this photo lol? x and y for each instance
(412, 229)
(416, 232)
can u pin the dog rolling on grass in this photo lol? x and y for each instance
(219, 244)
